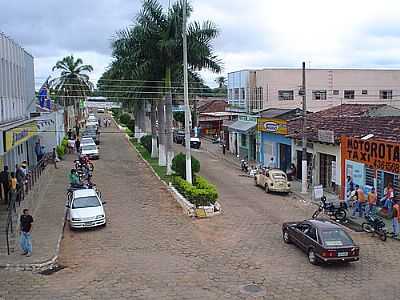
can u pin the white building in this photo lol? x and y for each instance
(252, 90)
(17, 101)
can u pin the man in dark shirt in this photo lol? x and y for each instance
(5, 183)
(26, 221)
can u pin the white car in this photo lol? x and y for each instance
(90, 150)
(91, 123)
(85, 209)
(87, 141)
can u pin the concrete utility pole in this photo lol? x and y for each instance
(304, 154)
(186, 99)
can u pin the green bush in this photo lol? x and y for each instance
(116, 112)
(64, 143)
(179, 165)
(124, 118)
(131, 125)
(201, 193)
(60, 151)
(146, 142)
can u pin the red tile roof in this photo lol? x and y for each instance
(348, 120)
(212, 106)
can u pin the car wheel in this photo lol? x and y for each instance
(266, 188)
(312, 258)
(286, 237)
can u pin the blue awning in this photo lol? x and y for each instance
(242, 126)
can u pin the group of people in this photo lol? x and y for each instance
(12, 182)
(106, 122)
(74, 143)
(367, 205)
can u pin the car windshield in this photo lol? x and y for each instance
(87, 141)
(89, 147)
(278, 176)
(84, 202)
(335, 237)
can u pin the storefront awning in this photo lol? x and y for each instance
(242, 126)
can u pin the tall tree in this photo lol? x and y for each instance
(221, 81)
(73, 82)
(166, 36)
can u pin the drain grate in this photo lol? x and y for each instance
(253, 290)
(52, 270)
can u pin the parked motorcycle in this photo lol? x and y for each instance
(330, 210)
(244, 165)
(375, 225)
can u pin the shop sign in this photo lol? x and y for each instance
(376, 154)
(272, 125)
(326, 136)
(18, 135)
(334, 176)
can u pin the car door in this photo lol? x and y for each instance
(311, 238)
(300, 230)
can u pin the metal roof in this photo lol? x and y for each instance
(242, 126)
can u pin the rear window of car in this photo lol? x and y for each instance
(335, 237)
(84, 202)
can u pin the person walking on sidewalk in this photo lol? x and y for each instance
(5, 183)
(371, 206)
(26, 221)
(78, 145)
(396, 218)
(360, 202)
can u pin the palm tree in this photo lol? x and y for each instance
(221, 81)
(165, 33)
(73, 83)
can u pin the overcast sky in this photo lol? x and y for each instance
(253, 33)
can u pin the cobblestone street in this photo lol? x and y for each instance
(150, 250)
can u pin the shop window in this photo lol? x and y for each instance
(242, 94)
(243, 140)
(319, 95)
(236, 94)
(349, 94)
(385, 94)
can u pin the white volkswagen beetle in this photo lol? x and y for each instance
(273, 180)
(85, 209)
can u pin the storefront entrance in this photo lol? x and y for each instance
(325, 171)
(309, 165)
(285, 155)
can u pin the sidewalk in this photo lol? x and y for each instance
(216, 151)
(48, 210)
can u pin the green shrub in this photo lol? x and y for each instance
(146, 142)
(179, 165)
(124, 118)
(60, 151)
(201, 193)
(131, 125)
(116, 112)
(64, 143)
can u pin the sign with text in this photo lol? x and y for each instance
(326, 136)
(272, 126)
(18, 135)
(376, 154)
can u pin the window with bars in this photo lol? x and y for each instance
(349, 94)
(286, 95)
(385, 94)
(236, 96)
(319, 95)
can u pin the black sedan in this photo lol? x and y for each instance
(322, 240)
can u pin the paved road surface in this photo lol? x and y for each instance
(150, 250)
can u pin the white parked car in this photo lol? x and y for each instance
(85, 209)
(91, 123)
(90, 150)
(87, 141)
